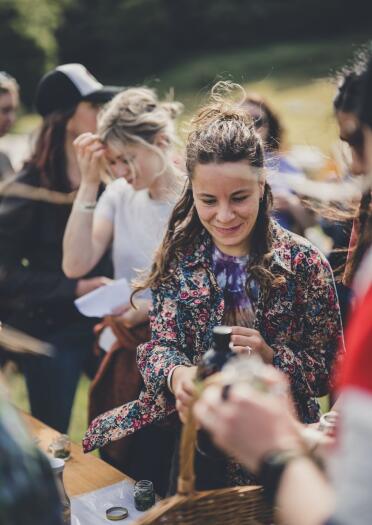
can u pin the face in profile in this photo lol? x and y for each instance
(351, 133)
(138, 164)
(227, 198)
(259, 119)
(8, 111)
(84, 119)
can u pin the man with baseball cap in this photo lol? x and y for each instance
(67, 85)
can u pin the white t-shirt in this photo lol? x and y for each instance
(139, 224)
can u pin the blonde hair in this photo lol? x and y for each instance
(136, 116)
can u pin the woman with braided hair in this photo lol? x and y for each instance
(224, 260)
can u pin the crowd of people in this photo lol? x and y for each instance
(205, 238)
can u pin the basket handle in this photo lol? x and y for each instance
(186, 476)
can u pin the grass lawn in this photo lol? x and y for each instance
(296, 78)
(78, 424)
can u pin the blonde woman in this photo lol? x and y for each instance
(135, 141)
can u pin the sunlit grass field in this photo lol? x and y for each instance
(295, 78)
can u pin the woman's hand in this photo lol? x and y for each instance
(90, 154)
(249, 424)
(85, 286)
(184, 388)
(247, 339)
(132, 317)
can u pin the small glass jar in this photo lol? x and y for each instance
(60, 447)
(144, 494)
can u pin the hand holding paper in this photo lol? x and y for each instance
(105, 299)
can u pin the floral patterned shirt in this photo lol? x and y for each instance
(300, 321)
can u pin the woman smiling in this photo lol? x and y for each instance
(225, 261)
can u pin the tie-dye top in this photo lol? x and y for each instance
(231, 275)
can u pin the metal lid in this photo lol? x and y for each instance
(116, 513)
(222, 335)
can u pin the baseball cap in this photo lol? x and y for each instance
(67, 85)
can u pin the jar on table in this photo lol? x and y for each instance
(144, 494)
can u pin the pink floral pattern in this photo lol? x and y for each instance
(300, 320)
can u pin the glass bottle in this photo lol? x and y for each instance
(219, 353)
(57, 466)
(213, 361)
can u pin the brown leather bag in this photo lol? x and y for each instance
(117, 381)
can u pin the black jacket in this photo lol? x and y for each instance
(35, 295)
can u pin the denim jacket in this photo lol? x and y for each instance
(300, 321)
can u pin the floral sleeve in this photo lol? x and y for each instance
(156, 358)
(308, 362)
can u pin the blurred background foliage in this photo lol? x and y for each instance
(129, 41)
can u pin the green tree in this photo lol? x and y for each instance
(20, 55)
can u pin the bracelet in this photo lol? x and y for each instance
(169, 378)
(85, 206)
(271, 470)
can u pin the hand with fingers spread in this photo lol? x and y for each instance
(183, 387)
(250, 340)
(90, 153)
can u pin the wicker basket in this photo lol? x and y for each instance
(230, 506)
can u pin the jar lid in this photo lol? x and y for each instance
(116, 513)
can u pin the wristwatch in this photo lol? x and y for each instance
(271, 471)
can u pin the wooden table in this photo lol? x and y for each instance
(83, 472)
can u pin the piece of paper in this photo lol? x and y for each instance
(106, 339)
(105, 299)
(90, 508)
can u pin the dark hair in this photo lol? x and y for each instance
(350, 80)
(49, 156)
(364, 240)
(275, 128)
(347, 98)
(221, 132)
(365, 109)
(365, 210)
